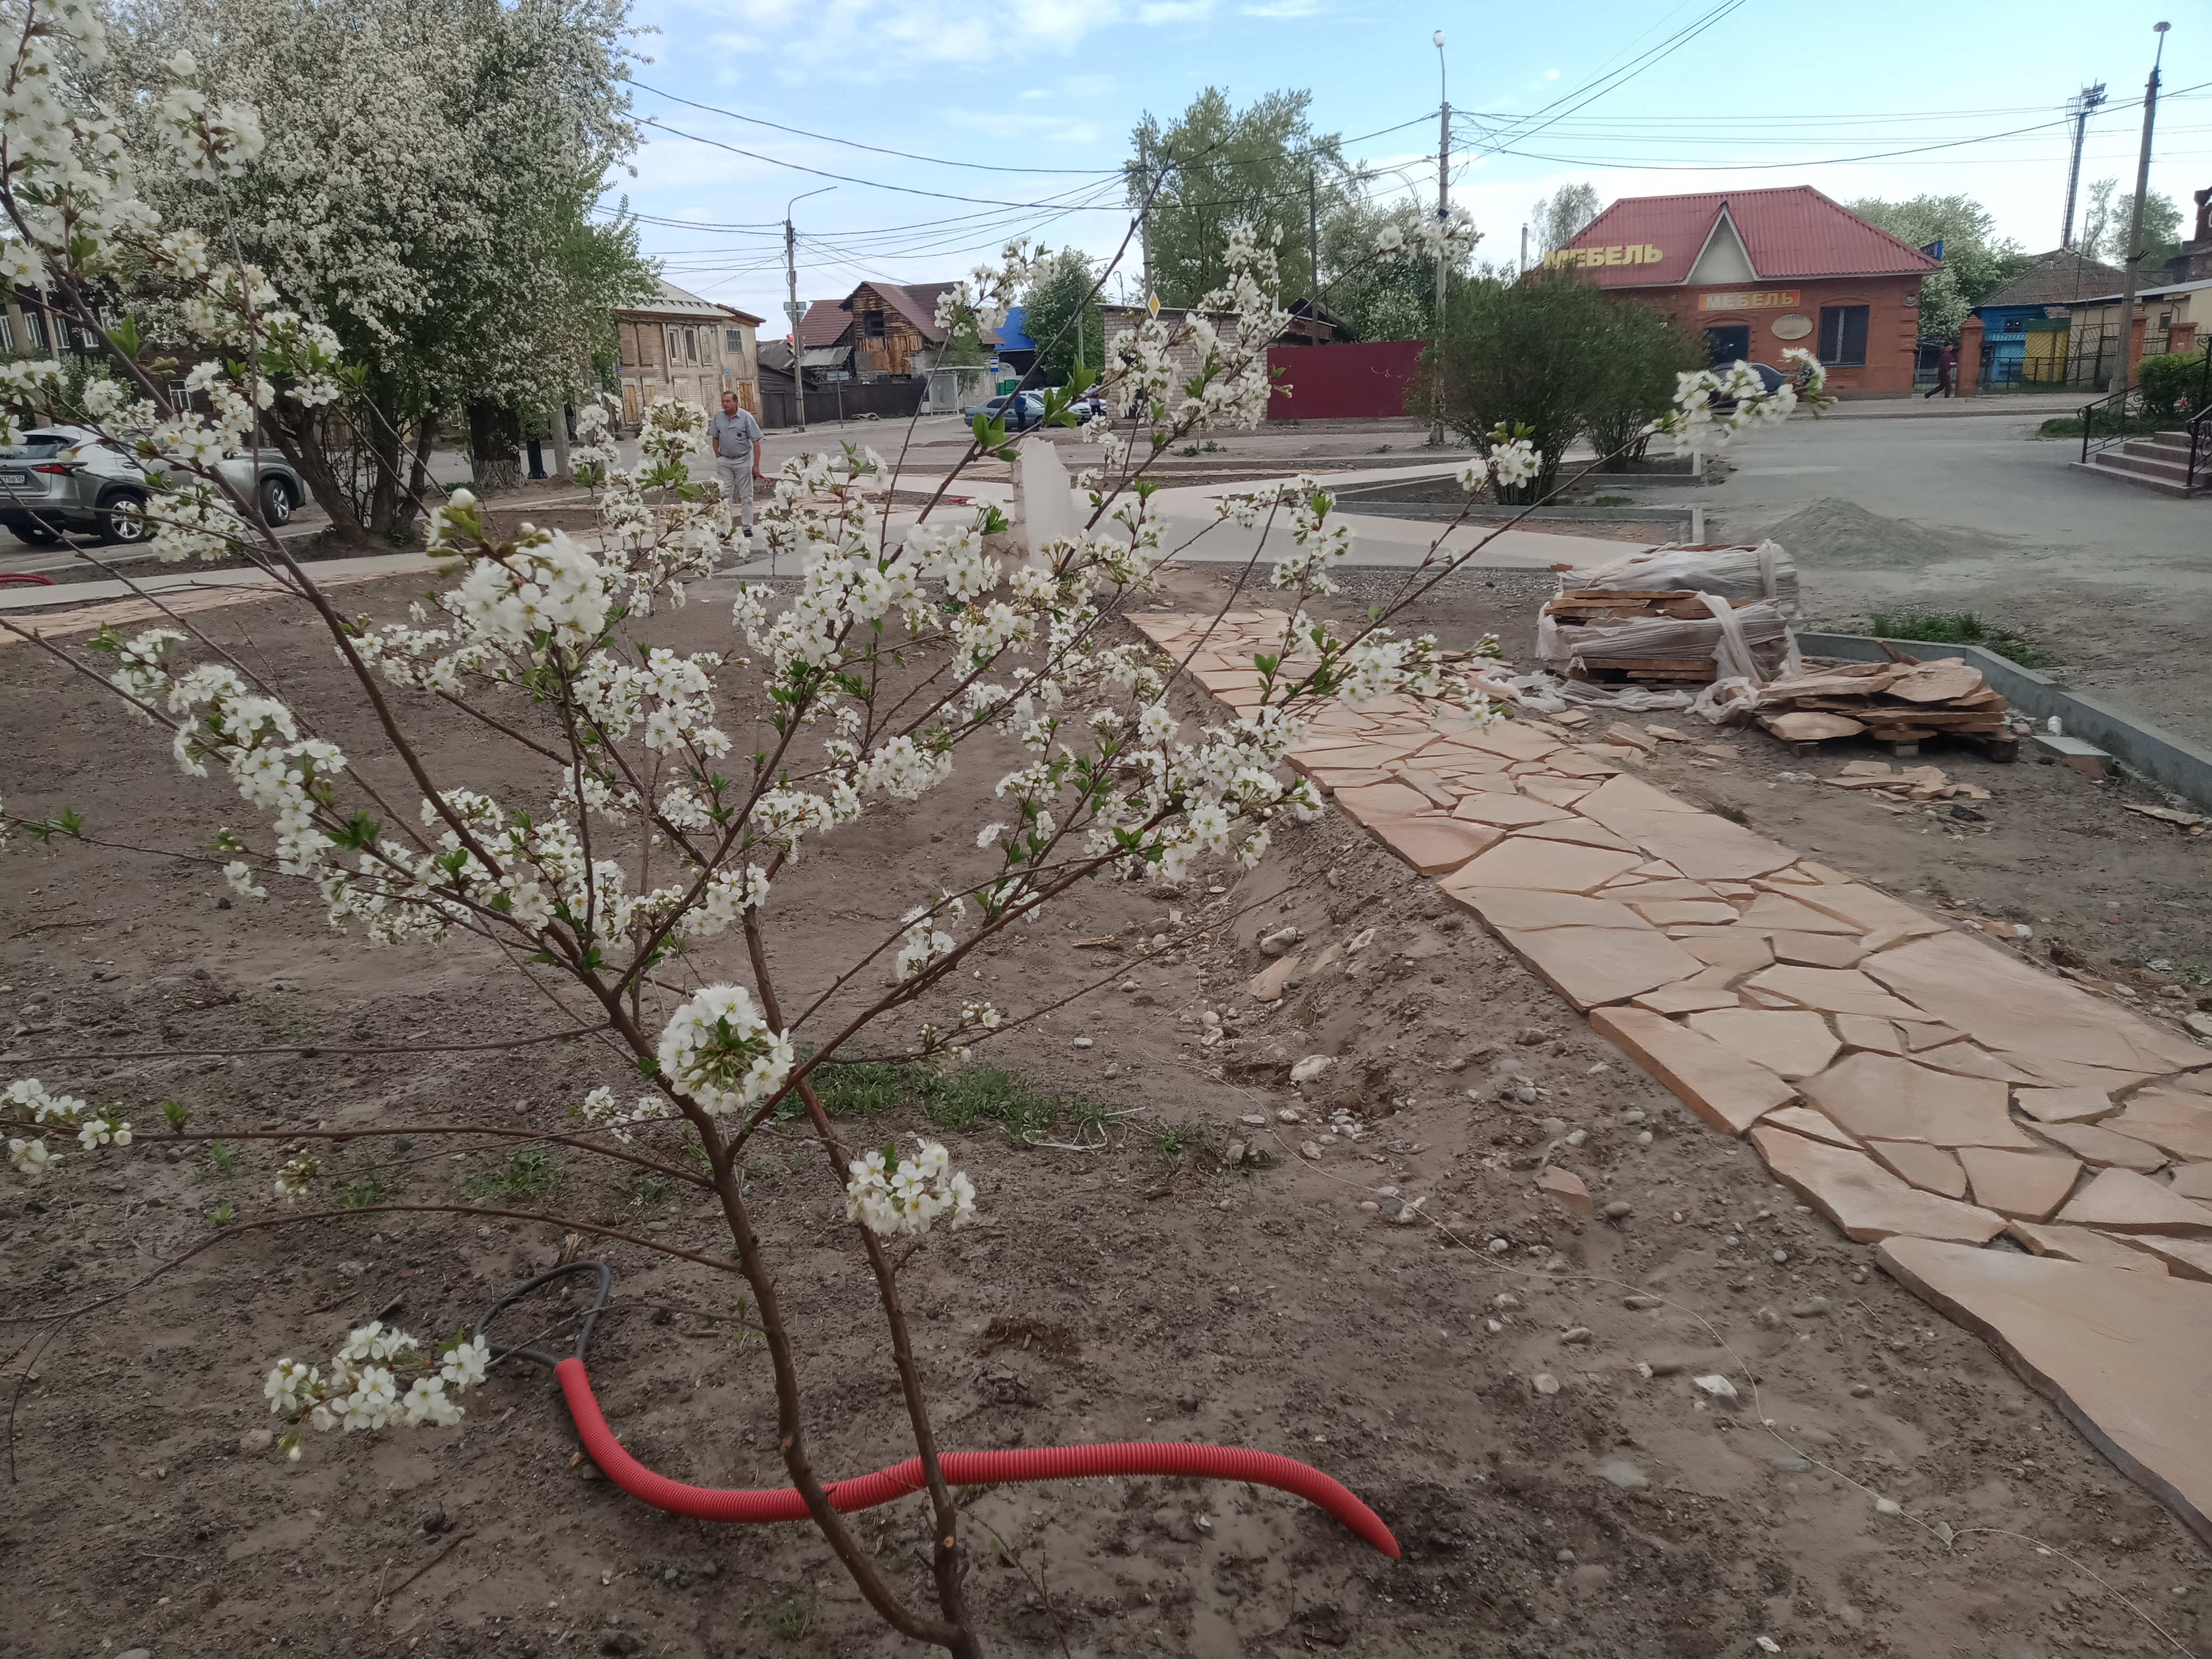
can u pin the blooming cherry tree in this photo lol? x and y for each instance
(650, 801)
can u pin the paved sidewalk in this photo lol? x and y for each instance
(1919, 1088)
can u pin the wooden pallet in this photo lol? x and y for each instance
(2000, 744)
(1647, 670)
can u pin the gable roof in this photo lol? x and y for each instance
(1793, 231)
(2062, 276)
(673, 301)
(824, 322)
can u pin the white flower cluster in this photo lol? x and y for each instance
(600, 1108)
(363, 1389)
(718, 1050)
(1508, 462)
(890, 1195)
(27, 1103)
(214, 139)
(1453, 235)
(297, 1176)
(924, 943)
(1714, 406)
(548, 591)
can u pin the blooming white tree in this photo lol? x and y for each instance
(652, 801)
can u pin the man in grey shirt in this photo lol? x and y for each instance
(737, 438)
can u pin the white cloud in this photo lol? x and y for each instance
(1282, 8)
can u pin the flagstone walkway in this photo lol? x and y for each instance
(1909, 1082)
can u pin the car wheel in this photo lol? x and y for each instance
(275, 502)
(123, 519)
(37, 534)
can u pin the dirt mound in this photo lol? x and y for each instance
(1845, 534)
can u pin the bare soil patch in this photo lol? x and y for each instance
(1141, 1289)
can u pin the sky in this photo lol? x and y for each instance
(1035, 101)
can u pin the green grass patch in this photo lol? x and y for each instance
(956, 1099)
(364, 1193)
(1614, 500)
(798, 1619)
(528, 1174)
(2069, 426)
(1172, 1140)
(1960, 628)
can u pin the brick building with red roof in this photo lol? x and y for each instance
(1759, 271)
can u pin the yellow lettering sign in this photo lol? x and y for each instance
(1772, 299)
(1614, 253)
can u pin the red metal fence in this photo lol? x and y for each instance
(1363, 380)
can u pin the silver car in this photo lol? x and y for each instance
(67, 478)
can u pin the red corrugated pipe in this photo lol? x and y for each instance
(961, 1469)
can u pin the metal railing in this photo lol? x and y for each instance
(2200, 449)
(2106, 422)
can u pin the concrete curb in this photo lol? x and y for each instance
(2175, 762)
(1445, 512)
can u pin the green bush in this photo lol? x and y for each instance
(1553, 353)
(2171, 382)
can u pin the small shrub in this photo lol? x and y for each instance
(364, 1193)
(1960, 628)
(798, 1617)
(2171, 382)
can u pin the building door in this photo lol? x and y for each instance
(1729, 343)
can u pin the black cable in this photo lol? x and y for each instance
(537, 1357)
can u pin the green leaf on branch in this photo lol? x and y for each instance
(360, 833)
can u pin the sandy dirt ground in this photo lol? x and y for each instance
(1524, 1420)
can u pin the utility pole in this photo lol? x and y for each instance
(1444, 218)
(1521, 269)
(1145, 209)
(2084, 101)
(1313, 239)
(791, 280)
(2135, 248)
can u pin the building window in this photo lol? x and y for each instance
(1844, 336)
(733, 343)
(2015, 325)
(34, 324)
(871, 324)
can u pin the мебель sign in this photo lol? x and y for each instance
(1770, 299)
(1633, 254)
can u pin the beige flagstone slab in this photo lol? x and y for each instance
(1920, 1035)
(1662, 888)
(1818, 950)
(1429, 784)
(2097, 1146)
(1554, 865)
(1865, 1201)
(1684, 998)
(1929, 1168)
(1727, 1091)
(2064, 1105)
(1506, 811)
(2127, 1357)
(2028, 1185)
(1269, 983)
(1370, 803)
(2064, 1074)
(1556, 792)
(1524, 909)
(1772, 913)
(1624, 793)
(1436, 845)
(2082, 1244)
(1791, 1044)
(2194, 1180)
(1589, 966)
(1967, 1060)
(1866, 1031)
(1333, 781)
(1882, 1097)
(1804, 1121)
(2184, 1258)
(2010, 1006)
(1870, 910)
(1833, 991)
(2122, 1201)
(1667, 913)
(1745, 954)
(1510, 738)
(1581, 832)
(1704, 847)
(2178, 1122)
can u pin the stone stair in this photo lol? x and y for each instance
(2160, 462)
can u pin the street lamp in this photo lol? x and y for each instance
(791, 276)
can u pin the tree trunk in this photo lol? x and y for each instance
(495, 446)
(382, 442)
(298, 435)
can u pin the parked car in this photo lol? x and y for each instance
(1028, 411)
(69, 480)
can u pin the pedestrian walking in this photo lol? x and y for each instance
(1946, 372)
(737, 438)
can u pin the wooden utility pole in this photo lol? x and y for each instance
(1313, 239)
(1444, 218)
(2135, 249)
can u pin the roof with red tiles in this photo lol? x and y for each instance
(825, 323)
(1793, 231)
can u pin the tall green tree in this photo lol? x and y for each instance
(430, 190)
(2104, 227)
(1556, 220)
(1976, 261)
(1048, 318)
(1262, 164)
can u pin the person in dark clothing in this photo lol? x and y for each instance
(1946, 372)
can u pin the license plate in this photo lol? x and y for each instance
(16, 480)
